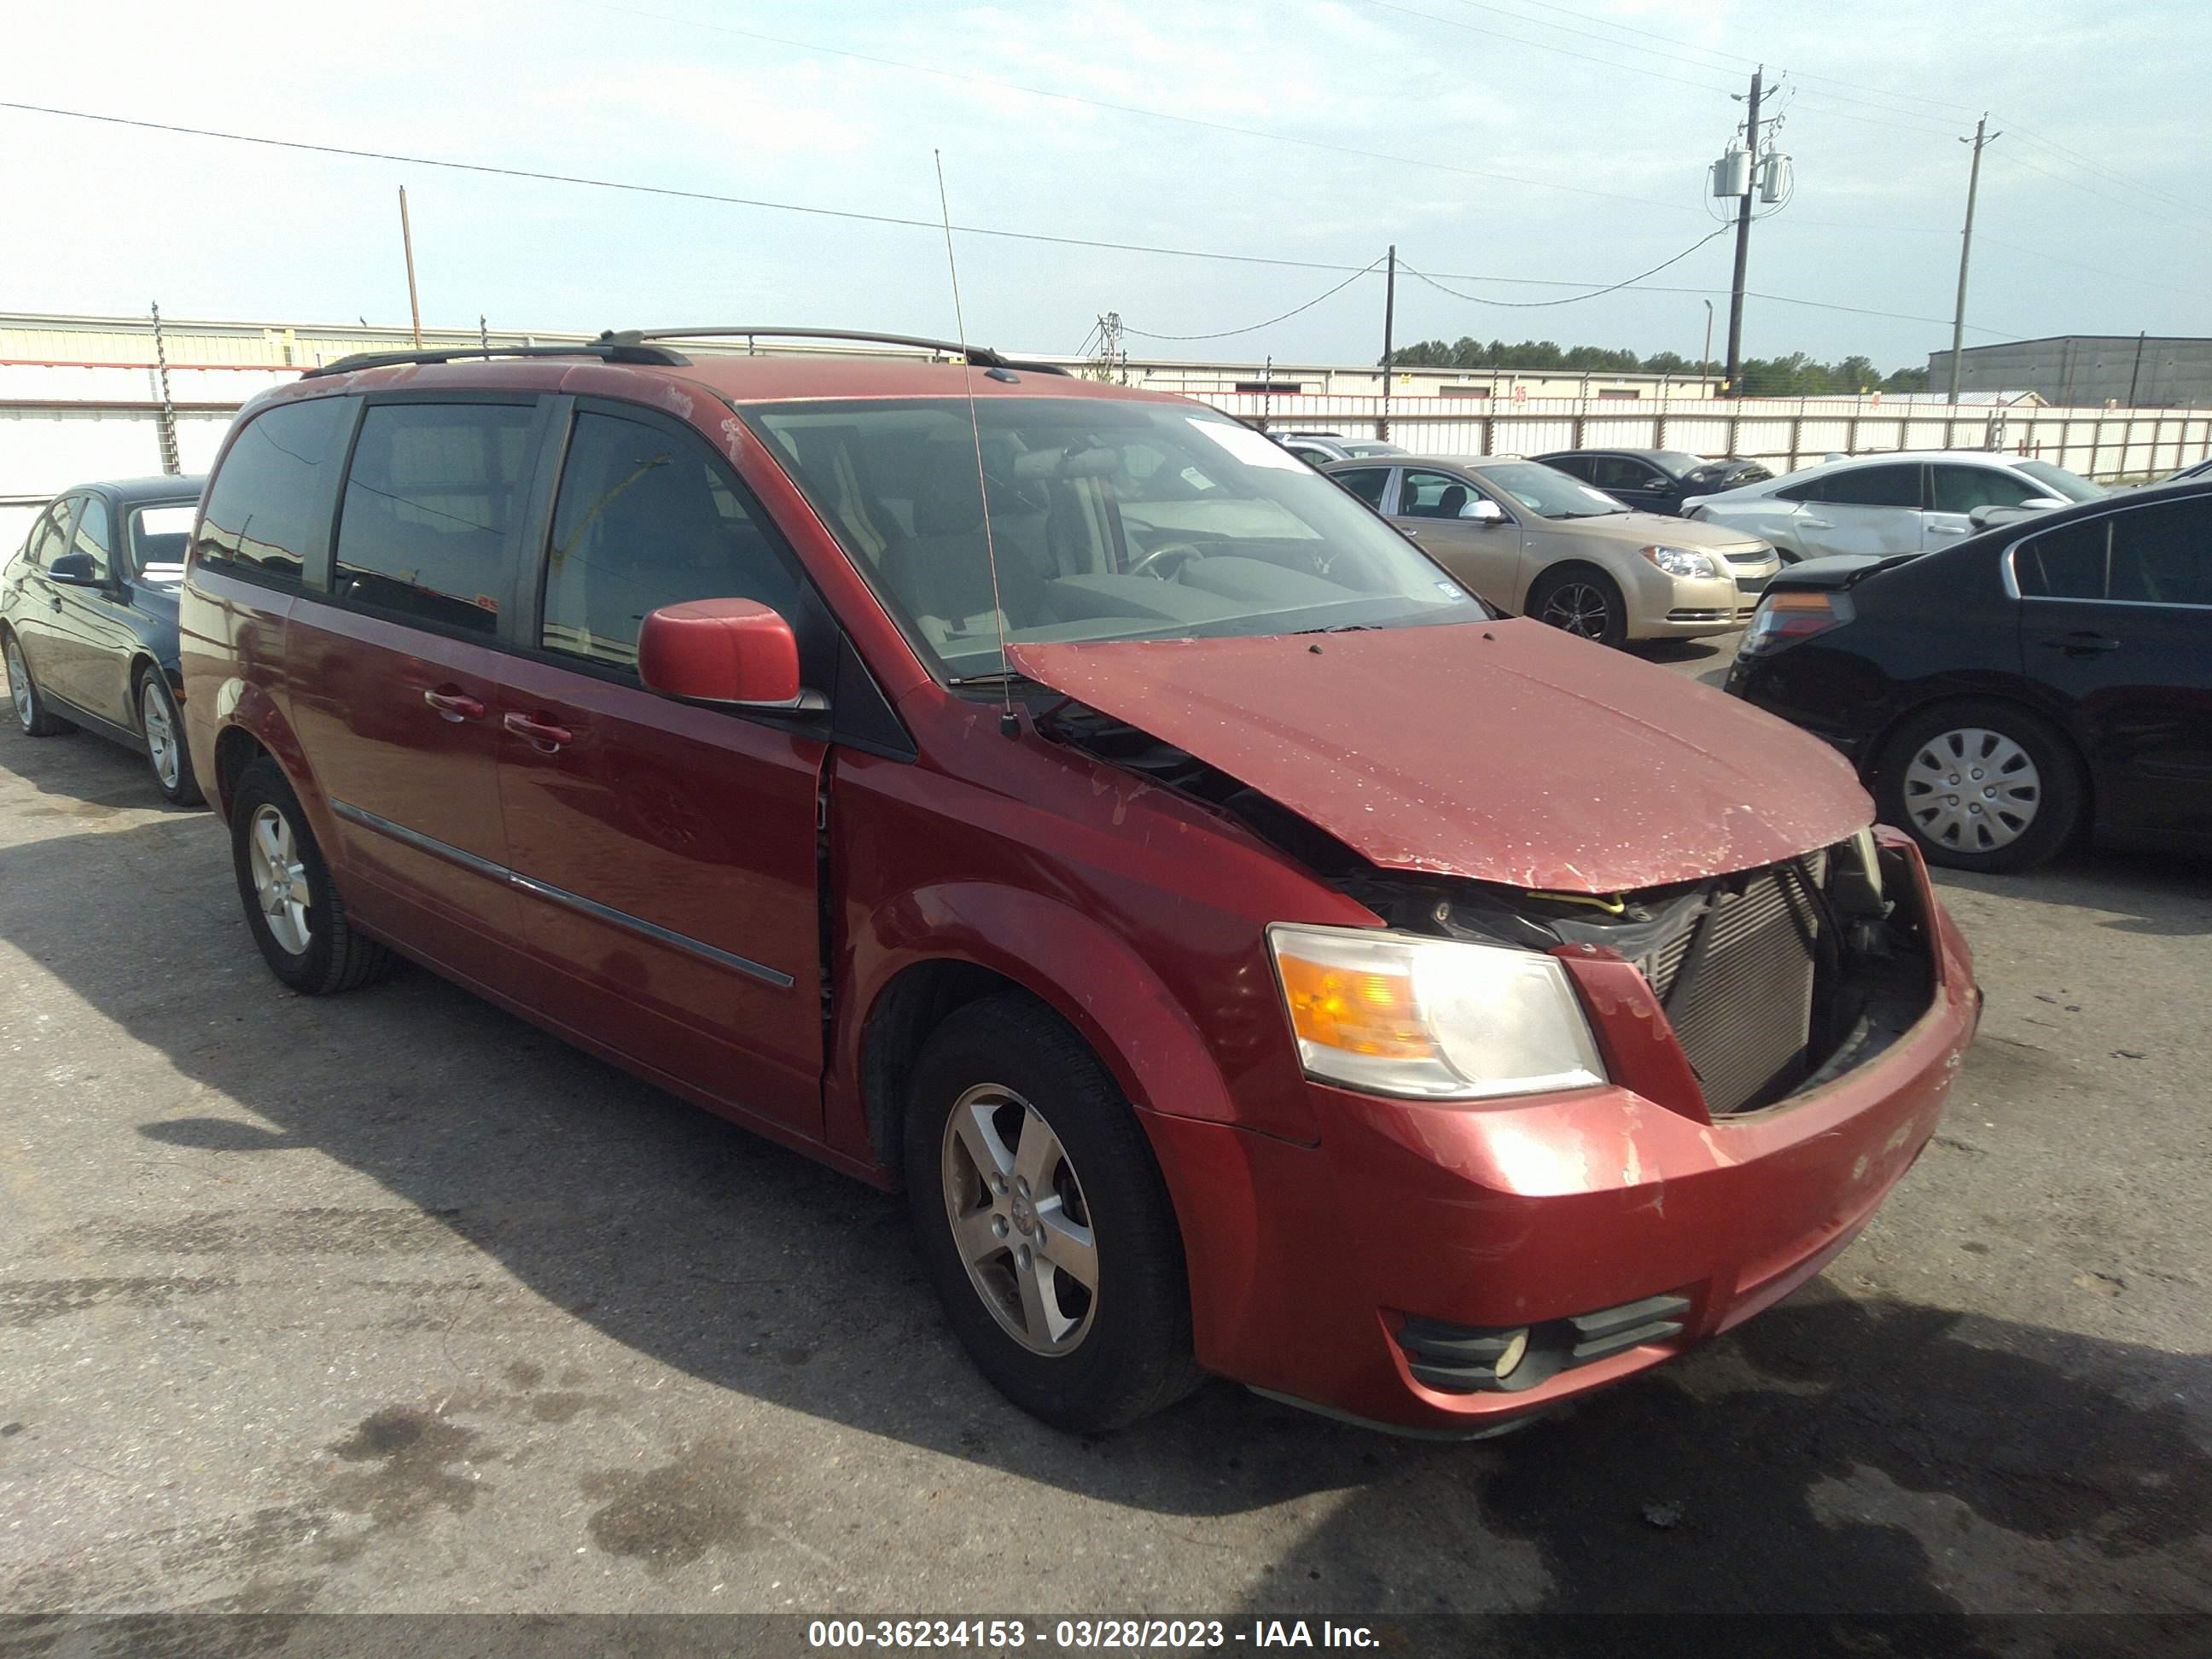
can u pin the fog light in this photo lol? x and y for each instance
(1514, 1351)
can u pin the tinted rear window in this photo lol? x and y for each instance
(2152, 556)
(432, 494)
(261, 507)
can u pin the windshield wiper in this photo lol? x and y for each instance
(996, 677)
(1338, 628)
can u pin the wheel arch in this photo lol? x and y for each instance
(937, 950)
(1878, 745)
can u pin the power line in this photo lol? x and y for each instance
(2017, 160)
(1543, 46)
(1253, 328)
(968, 79)
(1571, 298)
(896, 221)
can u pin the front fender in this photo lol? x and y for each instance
(1088, 975)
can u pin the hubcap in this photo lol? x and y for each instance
(19, 682)
(161, 734)
(1019, 1220)
(1579, 608)
(280, 880)
(1973, 790)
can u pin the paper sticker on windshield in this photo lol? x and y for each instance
(1450, 591)
(1253, 448)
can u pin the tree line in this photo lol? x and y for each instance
(1796, 375)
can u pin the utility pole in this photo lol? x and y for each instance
(1389, 318)
(1705, 363)
(1743, 238)
(1967, 246)
(172, 462)
(407, 242)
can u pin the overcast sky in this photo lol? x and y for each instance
(1564, 143)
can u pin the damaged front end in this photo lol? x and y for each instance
(1718, 997)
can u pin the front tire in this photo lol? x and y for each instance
(30, 711)
(292, 907)
(1581, 600)
(1042, 1219)
(163, 729)
(1982, 786)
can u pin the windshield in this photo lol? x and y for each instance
(1111, 520)
(2067, 485)
(158, 535)
(1548, 492)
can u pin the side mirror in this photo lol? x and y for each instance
(74, 570)
(725, 651)
(1983, 517)
(1483, 510)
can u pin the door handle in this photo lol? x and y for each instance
(544, 734)
(1947, 530)
(455, 705)
(2083, 643)
(1816, 524)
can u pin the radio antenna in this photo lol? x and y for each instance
(1007, 722)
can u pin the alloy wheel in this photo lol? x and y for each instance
(19, 683)
(280, 878)
(1973, 790)
(1578, 608)
(1020, 1219)
(160, 732)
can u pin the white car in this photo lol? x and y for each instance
(1891, 503)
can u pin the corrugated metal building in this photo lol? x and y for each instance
(2089, 371)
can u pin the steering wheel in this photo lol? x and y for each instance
(1182, 550)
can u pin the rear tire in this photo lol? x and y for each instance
(1581, 600)
(163, 729)
(1982, 786)
(30, 711)
(292, 907)
(1086, 1192)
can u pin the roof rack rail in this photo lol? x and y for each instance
(980, 356)
(612, 351)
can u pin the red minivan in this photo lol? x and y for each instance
(1252, 954)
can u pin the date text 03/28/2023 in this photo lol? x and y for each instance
(1084, 1635)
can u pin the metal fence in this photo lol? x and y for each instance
(61, 424)
(1783, 434)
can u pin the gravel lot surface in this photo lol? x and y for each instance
(389, 1302)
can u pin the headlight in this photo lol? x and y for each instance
(1681, 561)
(1399, 1014)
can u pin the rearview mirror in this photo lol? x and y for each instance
(74, 570)
(723, 651)
(1483, 510)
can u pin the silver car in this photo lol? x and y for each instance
(1886, 504)
(1535, 542)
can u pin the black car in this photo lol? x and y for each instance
(2043, 677)
(1654, 480)
(88, 620)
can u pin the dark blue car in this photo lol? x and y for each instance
(88, 620)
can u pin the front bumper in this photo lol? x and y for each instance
(1685, 607)
(1306, 1262)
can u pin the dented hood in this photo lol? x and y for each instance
(1503, 751)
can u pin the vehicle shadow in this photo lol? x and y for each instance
(1805, 1462)
(2162, 895)
(1704, 660)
